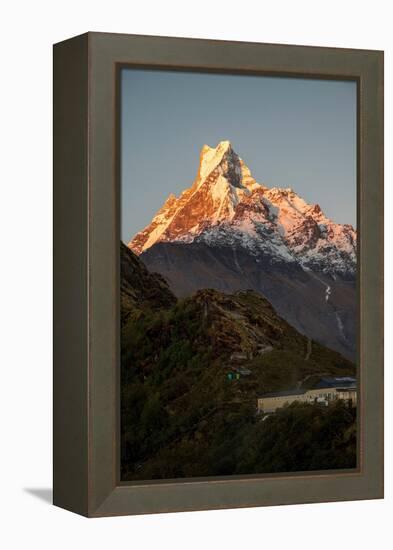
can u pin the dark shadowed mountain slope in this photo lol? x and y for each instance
(181, 415)
(138, 287)
(318, 306)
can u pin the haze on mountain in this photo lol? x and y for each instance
(229, 232)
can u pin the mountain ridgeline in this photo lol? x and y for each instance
(228, 232)
(182, 416)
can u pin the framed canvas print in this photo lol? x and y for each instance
(218, 260)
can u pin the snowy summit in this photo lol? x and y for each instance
(225, 206)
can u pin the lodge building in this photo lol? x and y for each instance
(326, 392)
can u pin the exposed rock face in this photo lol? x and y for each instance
(229, 232)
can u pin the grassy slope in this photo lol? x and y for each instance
(181, 416)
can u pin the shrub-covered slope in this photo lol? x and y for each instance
(182, 416)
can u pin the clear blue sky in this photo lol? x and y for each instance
(297, 133)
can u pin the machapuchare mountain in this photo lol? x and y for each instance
(230, 233)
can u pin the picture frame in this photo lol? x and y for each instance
(86, 463)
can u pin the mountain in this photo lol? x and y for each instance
(180, 414)
(239, 329)
(229, 232)
(225, 205)
(138, 287)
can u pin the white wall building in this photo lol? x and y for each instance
(270, 402)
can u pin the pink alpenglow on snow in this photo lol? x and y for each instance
(226, 206)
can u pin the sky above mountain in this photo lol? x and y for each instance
(297, 133)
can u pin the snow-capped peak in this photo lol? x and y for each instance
(211, 157)
(225, 206)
